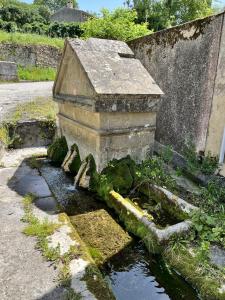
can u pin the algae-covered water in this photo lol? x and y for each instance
(134, 274)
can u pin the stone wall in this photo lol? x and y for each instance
(183, 61)
(30, 55)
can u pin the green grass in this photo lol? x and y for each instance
(38, 109)
(39, 229)
(36, 73)
(30, 39)
(4, 135)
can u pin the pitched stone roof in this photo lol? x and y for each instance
(112, 69)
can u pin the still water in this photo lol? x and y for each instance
(134, 274)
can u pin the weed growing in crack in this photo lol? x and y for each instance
(39, 229)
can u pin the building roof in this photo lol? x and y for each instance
(67, 14)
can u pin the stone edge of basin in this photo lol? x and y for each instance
(158, 238)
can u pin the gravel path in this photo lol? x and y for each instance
(12, 94)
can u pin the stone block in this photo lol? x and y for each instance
(8, 71)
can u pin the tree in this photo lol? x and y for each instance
(54, 5)
(118, 25)
(165, 13)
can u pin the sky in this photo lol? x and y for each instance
(96, 5)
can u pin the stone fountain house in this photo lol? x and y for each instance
(107, 100)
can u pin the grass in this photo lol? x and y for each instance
(37, 109)
(36, 73)
(30, 39)
(39, 229)
(4, 135)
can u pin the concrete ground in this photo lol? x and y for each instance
(11, 94)
(24, 273)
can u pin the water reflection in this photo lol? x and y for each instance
(135, 275)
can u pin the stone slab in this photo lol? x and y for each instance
(8, 71)
(217, 256)
(25, 180)
(13, 158)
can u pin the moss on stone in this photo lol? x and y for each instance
(185, 262)
(132, 223)
(104, 237)
(118, 175)
(86, 176)
(72, 161)
(57, 151)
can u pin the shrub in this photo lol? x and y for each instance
(65, 30)
(8, 26)
(119, 25)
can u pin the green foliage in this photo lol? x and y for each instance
(24, 13)
(210, 227)
(63, 30)
(166, 13)
(33, 73)
(206, 164)
(119, 25)
(54, 5)
(152, 170)
(58, 150)
(28, 18)
(208, 221)
(55, 30)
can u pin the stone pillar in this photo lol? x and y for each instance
(107, 100)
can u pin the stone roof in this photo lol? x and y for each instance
(112, 69)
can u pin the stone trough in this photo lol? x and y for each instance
(142, 224)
